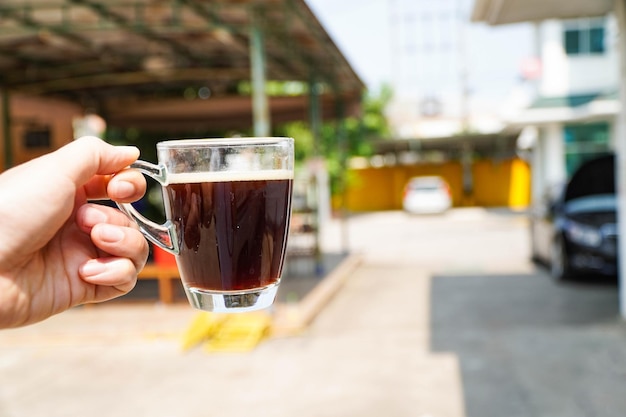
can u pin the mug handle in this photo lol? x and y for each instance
(162, 235)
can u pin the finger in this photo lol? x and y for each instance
(126, 186)
(120, 241)
(94, 157)
(89, 215)
(115, 276)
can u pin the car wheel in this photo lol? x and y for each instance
(559, 262)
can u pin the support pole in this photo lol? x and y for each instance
(620, 151)
(342, 143)
(6, 128)
(260, 102)
(315, 114)
(320, 176)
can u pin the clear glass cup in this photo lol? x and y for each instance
(228, 208)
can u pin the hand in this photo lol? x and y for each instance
(56, 250)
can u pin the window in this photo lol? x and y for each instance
(572, 41)
(584, 36)
(37, 137)
(584, 142)
(596, 40)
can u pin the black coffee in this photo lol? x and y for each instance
(232, 234)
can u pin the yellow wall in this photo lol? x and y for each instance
(519, 191)
(503, 183)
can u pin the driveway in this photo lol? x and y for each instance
(444, 317)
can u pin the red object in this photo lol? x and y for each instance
(531, 68)
(163, 257)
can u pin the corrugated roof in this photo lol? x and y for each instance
(499, 12)
(94, 51)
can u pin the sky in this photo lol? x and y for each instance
(361, 30)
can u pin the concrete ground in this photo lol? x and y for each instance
(443, 317)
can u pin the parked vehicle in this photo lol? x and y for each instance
(427, 194)
(574, 231)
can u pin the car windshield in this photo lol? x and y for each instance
(592, 203)
(426, 184)
(594, 177)
(425, 187)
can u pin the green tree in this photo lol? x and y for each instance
(342, 139)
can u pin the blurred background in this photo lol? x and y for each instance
(454, 247)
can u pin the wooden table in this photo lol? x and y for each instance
(166, 276)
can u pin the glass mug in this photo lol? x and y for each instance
(228, 208)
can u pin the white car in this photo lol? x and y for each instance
(425, 195)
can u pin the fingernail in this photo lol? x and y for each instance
(127, 147)
(131, 150)
(92, 216)
(122, 189)
(92, 268)
(110, 234)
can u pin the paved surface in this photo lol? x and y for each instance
(443, 318)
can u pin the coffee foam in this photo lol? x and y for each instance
(222, 176)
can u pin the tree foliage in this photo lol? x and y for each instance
(341, 139)
(338, 139)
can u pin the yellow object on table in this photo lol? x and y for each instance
(203, 327)
(240, 333)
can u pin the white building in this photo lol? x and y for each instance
(576, 99)
(449, 75)
(603, 107)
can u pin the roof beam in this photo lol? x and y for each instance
(133, 78)
(141, 30)
(25, 19)
(236, 38)
(23, 16)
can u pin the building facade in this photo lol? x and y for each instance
(450, 76)
(572, 117)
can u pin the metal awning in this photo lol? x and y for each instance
(576, 108)
(223, 113)
(488, 144)
(103, 52)
(498, 12)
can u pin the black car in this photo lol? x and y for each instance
(574, 231)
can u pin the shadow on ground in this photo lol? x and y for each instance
(528, 346)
